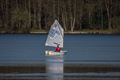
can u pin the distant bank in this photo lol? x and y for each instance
(67, 32)
(76, 32)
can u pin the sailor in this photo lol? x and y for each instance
(57, 49)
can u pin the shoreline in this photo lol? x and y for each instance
(86, 31)
(71, 33)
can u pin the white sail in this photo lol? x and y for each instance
(55, 35)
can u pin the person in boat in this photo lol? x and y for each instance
(57, 49)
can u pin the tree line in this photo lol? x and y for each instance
(74, 15)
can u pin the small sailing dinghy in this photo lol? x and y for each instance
(55, 36)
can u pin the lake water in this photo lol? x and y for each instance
(84, 49)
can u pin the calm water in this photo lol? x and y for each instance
(29, 49)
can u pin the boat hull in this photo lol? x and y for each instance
(53, 53)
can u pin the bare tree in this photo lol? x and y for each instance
(100, 2)
(108, 9)
(80, 5)
(64, 14)
(39, 14)
(90, 6)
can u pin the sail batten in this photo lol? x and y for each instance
(55, 35)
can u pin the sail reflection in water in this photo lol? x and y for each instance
(54, 67)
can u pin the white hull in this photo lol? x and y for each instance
(53, 53)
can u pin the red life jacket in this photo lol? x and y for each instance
(57, 49)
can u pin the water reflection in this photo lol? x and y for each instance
(55, 67)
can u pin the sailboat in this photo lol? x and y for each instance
(55, 36)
